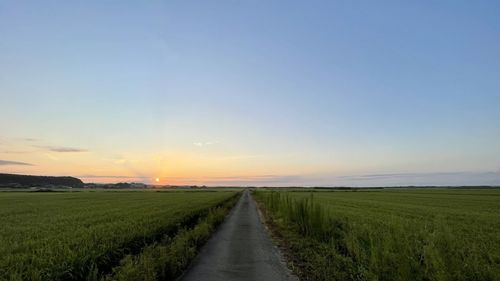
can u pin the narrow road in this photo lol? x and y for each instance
(239, 250)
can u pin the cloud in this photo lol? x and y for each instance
(255, 180)
(67, 149)
(367, 180)
(62, 149)
(112, 177)
(7, 162)
(422, 179)
(201, 144)
(406, 175)
(15, 151)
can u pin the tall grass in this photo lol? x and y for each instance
(310, 218)
(336, 243)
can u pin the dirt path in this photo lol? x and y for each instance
(240, 250)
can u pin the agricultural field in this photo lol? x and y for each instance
(389, 234)
(105, 235)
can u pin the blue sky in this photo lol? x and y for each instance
(252, 92)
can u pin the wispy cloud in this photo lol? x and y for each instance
(67, 149)
(112, 177)
(366, 180)
(409, 175)
(8, 162)
(16, 151)
(432, 178)
(257, 180)
(35, 143)
(201, 144)
(62, 149)
(5, 140)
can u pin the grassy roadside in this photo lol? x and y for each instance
(286, 239)
(308, 258)
(170, 256)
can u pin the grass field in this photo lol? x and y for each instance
(398, 234)
(97, 235)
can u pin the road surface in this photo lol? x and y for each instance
(239, 250)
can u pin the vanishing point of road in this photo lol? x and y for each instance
(240, 250)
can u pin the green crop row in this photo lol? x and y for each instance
(389, 236)
(84, 235)
(168, 258)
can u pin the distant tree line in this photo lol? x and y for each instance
(119, 185)
(13, 180)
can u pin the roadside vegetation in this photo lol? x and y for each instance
(388, 234)
(98, 235)
(168, 258)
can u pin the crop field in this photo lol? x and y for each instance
(389, 234)
(105, 235)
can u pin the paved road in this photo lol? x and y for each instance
(239, 250)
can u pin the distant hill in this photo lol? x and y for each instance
(20, 181)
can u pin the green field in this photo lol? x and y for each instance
(390, 234)
(97, 235)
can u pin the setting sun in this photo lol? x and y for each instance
(157, 180)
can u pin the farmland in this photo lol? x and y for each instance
(105, 235)
(390, 234)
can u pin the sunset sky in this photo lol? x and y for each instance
(252, 92)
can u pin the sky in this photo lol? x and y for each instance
(252, 92)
